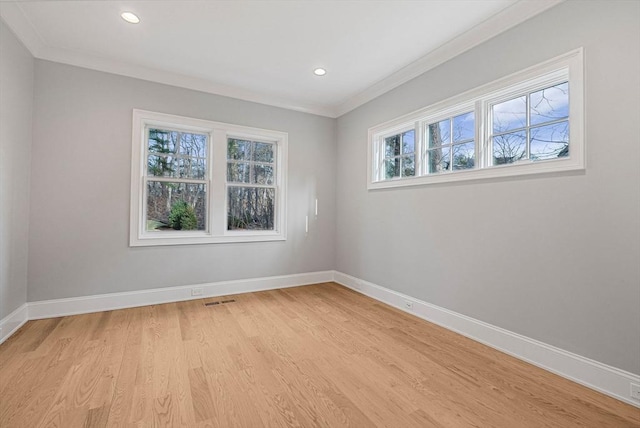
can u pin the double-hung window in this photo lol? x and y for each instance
(528, 123)
(177, 181)
(251, 186)
(196, 181)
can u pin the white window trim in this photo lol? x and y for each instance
(216, 231)
(569, 66)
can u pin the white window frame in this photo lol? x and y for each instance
(448, 113)
(216, 181)
(398, 130)
(568, 67)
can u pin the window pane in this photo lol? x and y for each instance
(550, 142)
(263, 152)
(408, 143)
(408, 166)
(238, 172)
(250, 208)
(510, 114)
(439, 133)
(176, 206)
(263, 174)
(391, 168)
(192, 168)
(171, 166)
(238, 149)
(509, 148)
(439, 159)
(464, 127)
(550, 104)
(162, 166)
(392, 146)
(193, 144)
(161, 141)
(464, 156)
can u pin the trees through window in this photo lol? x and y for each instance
(196, 181)
(530, 122)
(534, 126)
(177, 180)
(251, 188)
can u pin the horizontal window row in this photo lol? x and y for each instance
(524, 120)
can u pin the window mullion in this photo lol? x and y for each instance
(218, 174)
(178, 141)
(510, 131)
(528, 133)
(418, 149)
(165, 179)
(483, 141)
(378, 159)
(260, 186)
(451, 143)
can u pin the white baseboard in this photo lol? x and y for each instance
(130, 299)
(593, 374)
(12, 322)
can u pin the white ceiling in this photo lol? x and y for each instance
(265, 51)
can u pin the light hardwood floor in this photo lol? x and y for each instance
(318, 355)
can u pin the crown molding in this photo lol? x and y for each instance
(97, 63)
(18, 22)
(499, 23)
(14, 17)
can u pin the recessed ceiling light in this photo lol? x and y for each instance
(130, 17)
(319, 71)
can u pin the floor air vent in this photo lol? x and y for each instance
(217, 303)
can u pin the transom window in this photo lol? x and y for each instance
(451, 144)
(528, 123)
(399, 155)
(196, 181)
(534, 126)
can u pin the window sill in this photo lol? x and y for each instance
(201, 238)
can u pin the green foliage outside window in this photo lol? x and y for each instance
(182, 216)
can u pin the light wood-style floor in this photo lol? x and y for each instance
(314, 356)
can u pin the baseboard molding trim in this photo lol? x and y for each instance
(606, 379)
(592, 374)
(131, 299)
(12, 322)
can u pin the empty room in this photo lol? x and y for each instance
(320, 213)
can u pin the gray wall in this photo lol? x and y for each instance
(555, 258)
(80, 190)
(16, 105)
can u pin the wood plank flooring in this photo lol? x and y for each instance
(314, 356)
